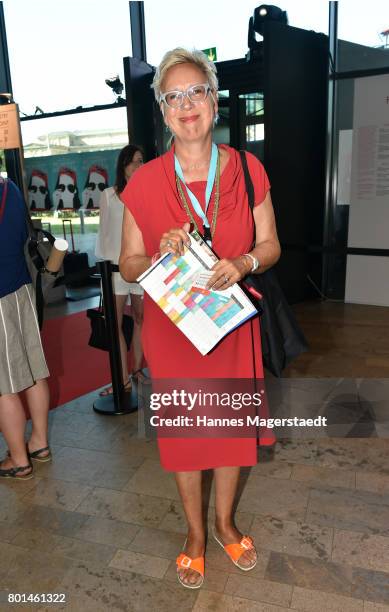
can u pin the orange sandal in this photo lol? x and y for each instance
(235, 551)
(188, 563)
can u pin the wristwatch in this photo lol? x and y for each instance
(254, 261)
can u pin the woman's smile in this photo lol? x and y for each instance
(189, 119)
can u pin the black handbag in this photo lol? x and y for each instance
(99, 337)
(281, 337)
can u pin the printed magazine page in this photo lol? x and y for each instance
(177, 285)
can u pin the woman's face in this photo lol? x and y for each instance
(137, 161)
(192, 120)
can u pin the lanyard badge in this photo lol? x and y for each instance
(213, 172)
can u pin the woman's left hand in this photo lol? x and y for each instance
(227, 272)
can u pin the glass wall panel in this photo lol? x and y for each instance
(61, 52)
(360, 212)
(363, 43)
(219, 24)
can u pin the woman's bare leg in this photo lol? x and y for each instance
(38, 399)
(137, 315)
(226, 483)
(12, 426)
(189, 488)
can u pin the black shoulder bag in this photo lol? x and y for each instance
(281, 337)
(99, 337)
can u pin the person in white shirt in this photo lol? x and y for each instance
(108, 246)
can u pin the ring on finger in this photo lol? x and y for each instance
(226, 279)
(169, 243)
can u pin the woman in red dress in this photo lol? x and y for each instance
(160, 209)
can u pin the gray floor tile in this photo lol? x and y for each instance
(284, 499)
(85, 551)
(139, 563)
(370, 606)
(330, 577)
(217, 602)
(61, 522)
(92, 587)
(321, 476)
(106, 531)
(157, 542)
(8, 531)
(24, 573)
(348, 509)
(151, 479)
(58, 494)
(292, 537)
(258, 590)
(37, 539)
(373, 481)
(125, 506)
(361, 549)
(308, 600)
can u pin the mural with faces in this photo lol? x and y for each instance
(65, 194)
(95, 184)
(38, 192)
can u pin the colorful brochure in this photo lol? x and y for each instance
(177, 285)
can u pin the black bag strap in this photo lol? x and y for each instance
(247, 180)
(34, 232)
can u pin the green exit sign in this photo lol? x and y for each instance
(211, 53)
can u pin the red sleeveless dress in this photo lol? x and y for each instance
(151, 196)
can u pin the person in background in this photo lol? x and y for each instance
(200, 183)
(108, 247)
(22, 361)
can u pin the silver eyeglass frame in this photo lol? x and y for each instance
(185, 94)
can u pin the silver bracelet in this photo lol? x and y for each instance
(254, 260)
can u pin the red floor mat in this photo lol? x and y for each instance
(75, 368)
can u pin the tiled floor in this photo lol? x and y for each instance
(103, 524)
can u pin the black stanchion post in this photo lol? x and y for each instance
(119, 402)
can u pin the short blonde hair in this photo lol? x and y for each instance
(184, 56)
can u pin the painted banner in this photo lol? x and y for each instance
(71, 181)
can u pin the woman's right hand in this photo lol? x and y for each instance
(174, 240)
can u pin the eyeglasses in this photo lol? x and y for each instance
(92, 186)
(62, 187)
(35, 189)
(195, 93)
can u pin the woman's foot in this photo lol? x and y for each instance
(194, 548)
(39, 451)
(40, 454)
(140, 377)
(109, 390)
(8, 469)
(229, 534)
(38, 448)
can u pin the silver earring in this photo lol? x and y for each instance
(216, 119)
